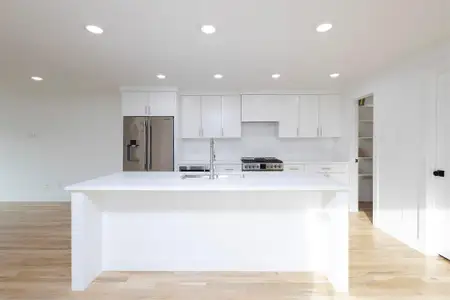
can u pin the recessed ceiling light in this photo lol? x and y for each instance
(208, 29)
(218, 76)
(94, 29)
(335, 75)
(161, 76)
(36, 78)
(324, 27)
(276, 76)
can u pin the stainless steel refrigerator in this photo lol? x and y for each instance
(148, 144)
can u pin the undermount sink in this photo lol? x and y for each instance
(206, 176)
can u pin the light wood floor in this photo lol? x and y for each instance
(35, 264)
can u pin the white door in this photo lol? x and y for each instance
(289, 114)
(442, 204)
(135, 104)
(191, 117)
(231, 116)
(308, 116)
(211, 116)
(330, 116)
(163, 104)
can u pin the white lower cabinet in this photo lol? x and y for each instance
(337, 171)
(228, 168)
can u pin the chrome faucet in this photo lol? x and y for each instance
(212, 159)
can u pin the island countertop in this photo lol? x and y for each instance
(172, 181)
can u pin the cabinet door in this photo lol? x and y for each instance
(162, 104)
(211, 116)
(330, 116)
(231, 116)
(191, 117)
(308, 116)
(288, 109)
(260, 108)
(135, 104)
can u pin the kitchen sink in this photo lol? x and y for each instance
(206, 176)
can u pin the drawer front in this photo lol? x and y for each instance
(228, 168)
(294, 168)
(327, 168)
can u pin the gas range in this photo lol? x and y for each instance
(261, 164)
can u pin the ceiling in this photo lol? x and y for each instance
(254, 39)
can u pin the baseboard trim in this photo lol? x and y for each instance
(36, 201)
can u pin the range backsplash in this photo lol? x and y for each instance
(261, 139)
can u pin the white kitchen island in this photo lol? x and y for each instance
(156, 221)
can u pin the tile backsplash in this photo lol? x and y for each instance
(261, 139)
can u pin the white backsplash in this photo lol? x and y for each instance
(261, 139)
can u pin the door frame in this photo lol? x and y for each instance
(355, 152)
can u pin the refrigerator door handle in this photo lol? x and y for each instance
(146, 145)
(149, 152)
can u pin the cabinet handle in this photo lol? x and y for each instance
(321, 131)
(145, 113)
(297, 132)
(318, 131)
(222, 131)
(149, 110)
(199, 132)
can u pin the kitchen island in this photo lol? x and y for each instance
(158, 221)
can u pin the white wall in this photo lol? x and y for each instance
(405, 142)
(261, 139)
(50, 138)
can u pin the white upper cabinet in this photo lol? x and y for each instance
(260, 108)
(162, 104)
(330, 116)
(231, 116)
(289, 118)
(191, 117)
(211, 116)
(309, 116)
(135, 103)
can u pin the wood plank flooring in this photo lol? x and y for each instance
(35, 264)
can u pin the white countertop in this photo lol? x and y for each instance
(238, 162)
(171, 181)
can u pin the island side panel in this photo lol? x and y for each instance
(211, 231)
(337, 226)
(86, 241)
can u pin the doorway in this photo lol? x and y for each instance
(442, 175)
(365, 160)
